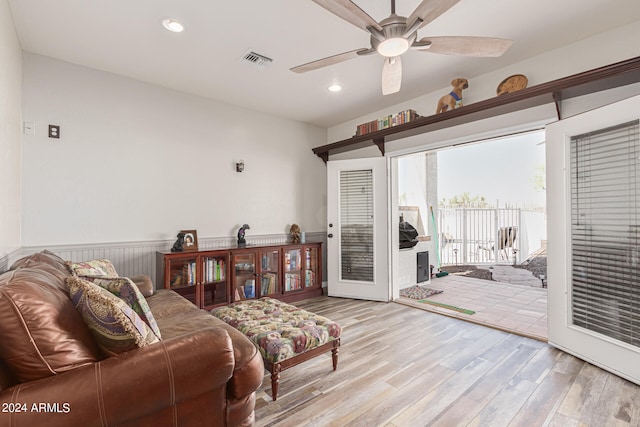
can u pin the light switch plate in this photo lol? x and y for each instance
(29, 128)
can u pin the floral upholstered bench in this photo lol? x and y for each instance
(285, 335)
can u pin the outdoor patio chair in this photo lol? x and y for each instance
(506, 240)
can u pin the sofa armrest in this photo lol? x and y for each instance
(130, 386)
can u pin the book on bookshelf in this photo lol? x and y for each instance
(250, 288)
(213, 270)
(268, 284)
(386, 122)
(292, 260)
(292, 282)
(309, 278)
(187, 275)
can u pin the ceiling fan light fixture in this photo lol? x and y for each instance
(173, 25)
(395, 46)
(335, 87)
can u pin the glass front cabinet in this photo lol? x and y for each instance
(200, 277)
(288, 272)
(269, 274)
(256, 273)
(243, 275)
(302, 270)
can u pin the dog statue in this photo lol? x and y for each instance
(177, 246)
(241, 240)
(454, 98)
(295, 233)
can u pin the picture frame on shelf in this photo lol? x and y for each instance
(190, 240)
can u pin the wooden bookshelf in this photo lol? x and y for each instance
(289, 272)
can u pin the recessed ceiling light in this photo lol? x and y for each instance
(335, 87)
(173, 25)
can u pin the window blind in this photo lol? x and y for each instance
(356, 225)
(605, 232)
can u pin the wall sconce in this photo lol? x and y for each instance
(240, 166)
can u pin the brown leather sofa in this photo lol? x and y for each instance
(202, 372)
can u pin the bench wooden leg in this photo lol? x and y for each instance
(275, 380)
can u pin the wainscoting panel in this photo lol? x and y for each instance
(133, 258)
(9, 258)
(130, 259)
(4, 263)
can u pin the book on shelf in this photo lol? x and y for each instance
(309, 278)
(240, 293)
(292, 260)
(391, 120)
(213, 270)
(268, 284)
(292, 282)
(265, 265)
(250, 288)
(186, 276)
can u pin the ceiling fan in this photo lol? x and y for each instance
(396, 34)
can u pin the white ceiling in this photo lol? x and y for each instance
(126, 37)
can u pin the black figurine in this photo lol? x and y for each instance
(241, 241)
(177, 246)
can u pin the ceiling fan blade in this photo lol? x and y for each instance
(429, 10)
(350, 12)
(391, 75)
(325, 62)
(467, 46)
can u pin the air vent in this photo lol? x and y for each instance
(256, 60)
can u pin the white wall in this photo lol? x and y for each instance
(10, 128)
(138, 162)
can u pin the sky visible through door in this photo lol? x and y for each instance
(505, 171)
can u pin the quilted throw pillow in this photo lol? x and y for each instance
(114, 325)
(125, 289)
(96, 267)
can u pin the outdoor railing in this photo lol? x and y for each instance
(479, 236)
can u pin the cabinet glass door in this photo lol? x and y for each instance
(310, 267)
(293, 269)
(214, 281)
(244, 285)
(183, 277)
(269, 272)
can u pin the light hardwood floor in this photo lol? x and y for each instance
(400, 366)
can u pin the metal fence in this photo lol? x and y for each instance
(479, 236)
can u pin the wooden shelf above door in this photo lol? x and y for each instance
(608, 77)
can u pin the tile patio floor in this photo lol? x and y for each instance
(520, 309)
